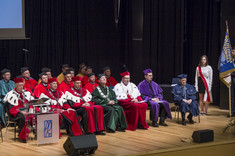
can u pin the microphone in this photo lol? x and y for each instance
(25, 50)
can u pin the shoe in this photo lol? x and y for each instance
(163, 124)
(155, 124)
(100, 133)
(23, 141)
(190, 120)
(110, 131)
(121, 130)
(184, 123)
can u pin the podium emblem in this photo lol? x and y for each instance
(47, 128)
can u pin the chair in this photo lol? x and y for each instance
(10, 120)
(177, 111)
(1, 130)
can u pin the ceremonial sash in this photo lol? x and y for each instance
(205, 83)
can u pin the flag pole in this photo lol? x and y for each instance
(230, 106)
(229, 88)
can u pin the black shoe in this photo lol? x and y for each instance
(121, 130)
(184, 122)
(100, 133)
(163, 124)
(155, 124)
(190, 120)
(23, 141)
(110, 131)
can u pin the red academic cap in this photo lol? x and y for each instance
(77, 78)
(18, 80)
(124, 73)
(53, 79)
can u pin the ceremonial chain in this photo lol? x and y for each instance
(102, 94)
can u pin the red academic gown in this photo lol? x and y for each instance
(41, 88)
(134, 112)
(30, 85)
(111, 81)
(14, 110)
(69, 116)
(94, 112)
(85, 80)
(65, 86)
(90, 87)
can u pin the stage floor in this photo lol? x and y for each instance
(132, 142)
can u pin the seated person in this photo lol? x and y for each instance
(60, 105)
(91, 85)
(184, 96)
(151, 92)
(60, 77)
(135, 108)
(15, 101)
(111, 82)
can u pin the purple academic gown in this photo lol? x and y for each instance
(147, 94)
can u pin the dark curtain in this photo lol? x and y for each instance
(168, 36)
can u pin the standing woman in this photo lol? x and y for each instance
(203, 83)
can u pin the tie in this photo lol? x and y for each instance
(184, 92)
(150, 86)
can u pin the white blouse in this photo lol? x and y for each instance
(207, 72)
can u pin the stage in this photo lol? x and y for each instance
(140, 142)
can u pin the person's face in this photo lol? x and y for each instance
(233, 52)
(7, 76)
(26, 74)
(92, 78)
(77, 84)
(72, 73)
(102, 80)
(44, 78)
(149, 77)
(19, 86)
(65, 68)
(83, 70)
(126, 79)
(203, 60)
(88, 71)
(48, 74)
(68, 77)
(53, 85)
(107, 72)
(183, 81)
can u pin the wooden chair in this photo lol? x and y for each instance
(10, 120)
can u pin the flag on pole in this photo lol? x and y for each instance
(225, 63)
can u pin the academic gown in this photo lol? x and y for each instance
(30, 85)
(64, 86)
(189, 93)
(41, 88)
(60, 78)
(85, 80)
(113, 114)
(16, 101)
(5, 87)
(90, 87)
(94, 112)
(135, 112)
(111, 82)
(153, 90)
(56, 99)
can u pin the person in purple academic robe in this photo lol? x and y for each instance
(151, 93)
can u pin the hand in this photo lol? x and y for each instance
(86, 104)
(155, 99)
(23, 112)
(70, 109)
(189, 101)
(134, 100)
(111, 102)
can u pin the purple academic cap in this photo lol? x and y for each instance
(146, 71)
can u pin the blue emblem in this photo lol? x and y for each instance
(47, 128)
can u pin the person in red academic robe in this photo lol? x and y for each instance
(128, 97)
(111, 81)
(15, 101)
(91, 85)
(29, 83)
(80, 97)
(85, 79)
(59, 105)
(43, 86)
(67, 82)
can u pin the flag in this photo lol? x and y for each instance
(225, 63)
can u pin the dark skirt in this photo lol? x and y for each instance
(201, 86)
